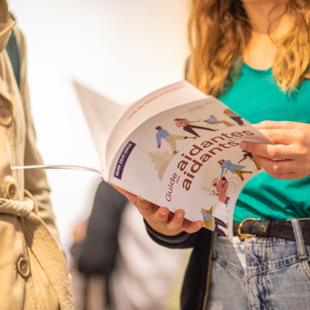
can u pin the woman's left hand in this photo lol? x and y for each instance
(290, 158)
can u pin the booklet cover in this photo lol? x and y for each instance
(177, 148)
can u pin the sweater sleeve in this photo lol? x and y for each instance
(182, 241)
(100, 248)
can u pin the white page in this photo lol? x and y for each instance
(101, 115)
(154, 103)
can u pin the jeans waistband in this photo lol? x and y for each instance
(293, 230)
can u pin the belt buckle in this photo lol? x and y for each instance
(246, 236)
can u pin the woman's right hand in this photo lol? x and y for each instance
(160, 218)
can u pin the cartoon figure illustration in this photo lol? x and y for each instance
(221, 188)
(161, 161)
(164, 134)
(234, 116)
(250, 155)
(213, 120)
(233, 168)
(212, 222)
(186, 125)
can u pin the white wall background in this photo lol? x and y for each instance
(121, 49)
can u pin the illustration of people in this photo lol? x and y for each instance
(161, 161)
(234, 116)
(250, 155)
(186, 125)
(221, 187)
(212, 223)
(164, 134)
(213, 120)
(227, 165)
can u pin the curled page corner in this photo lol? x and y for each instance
(70, 167)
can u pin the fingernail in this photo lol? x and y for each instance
(164, 212)
(179, 215)
(243, 145)
(140, 198)
(199, 224)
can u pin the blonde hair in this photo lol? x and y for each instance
(219, 30)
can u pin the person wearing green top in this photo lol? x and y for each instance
(276, 198)
(254, 56)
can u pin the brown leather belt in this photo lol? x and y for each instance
(250, 227)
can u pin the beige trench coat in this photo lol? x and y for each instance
(33, 272)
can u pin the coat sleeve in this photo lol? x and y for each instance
(35, 179)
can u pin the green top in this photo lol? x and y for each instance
(256, 97)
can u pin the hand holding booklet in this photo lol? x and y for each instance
(177, 148)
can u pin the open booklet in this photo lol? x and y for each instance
(177, 148)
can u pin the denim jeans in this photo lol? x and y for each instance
(260, 273)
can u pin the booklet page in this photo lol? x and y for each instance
(101, 115)
(189, 157)
(161, 100)
(69, 167)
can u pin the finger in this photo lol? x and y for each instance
(161, 215)
(176, 221)
(274, 125)
(280, 152)
(145, 207)
(277, 167)
(192, 227)
(282, 136)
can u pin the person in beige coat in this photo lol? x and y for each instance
(33, 272)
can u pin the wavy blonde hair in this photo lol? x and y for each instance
(219, 30)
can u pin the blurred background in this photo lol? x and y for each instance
(118, 48)
(121, 50)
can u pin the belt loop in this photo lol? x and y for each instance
(35, 205)
(302, 253)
